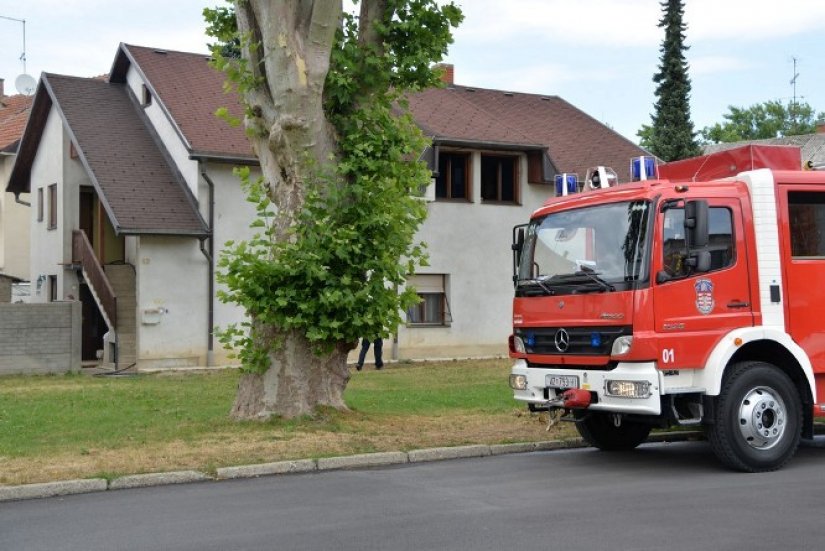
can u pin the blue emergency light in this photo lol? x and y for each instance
(566, 183)
(642, 168)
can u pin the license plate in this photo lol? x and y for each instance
(561, 381)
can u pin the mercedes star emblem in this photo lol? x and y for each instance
(562, 340)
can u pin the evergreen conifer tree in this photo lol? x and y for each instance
(671, 135)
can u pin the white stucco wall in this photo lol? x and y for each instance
(470, 242)
(171, 302)
(47, 245)
(14, 226)
(166, 131)
(233, 214)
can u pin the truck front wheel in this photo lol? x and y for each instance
(601, 430)
(757, 418)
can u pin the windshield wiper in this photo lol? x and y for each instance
(594, 277)
(539, 282)
(584, 275)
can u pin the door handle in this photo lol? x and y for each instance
(738, 304)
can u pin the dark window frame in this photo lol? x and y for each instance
(444, 186)
(805, 234)
(52, 207)
(52, 288)
(498, 197)
(40, 204)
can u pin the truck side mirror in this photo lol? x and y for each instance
(699, 261)
(517, 246)
(696, 224)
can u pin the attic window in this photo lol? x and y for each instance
(499, 179)
(146, 98)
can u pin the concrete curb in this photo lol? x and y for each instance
(67, 487)
(157, 479)
(265, 469)
(362, 460)
(438, 454)
(52, 489)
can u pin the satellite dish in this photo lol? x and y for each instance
(25, 84)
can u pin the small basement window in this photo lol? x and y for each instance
(434, 308)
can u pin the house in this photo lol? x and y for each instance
(495, 155)
(133, 195)
(14, 215)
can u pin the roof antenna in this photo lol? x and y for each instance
(793, 80)
(24, 82)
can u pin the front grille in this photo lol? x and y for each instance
(580, 341)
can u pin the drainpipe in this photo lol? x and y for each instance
(18, 201)
(209, 253)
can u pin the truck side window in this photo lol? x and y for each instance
(720, 244)
(806, 216)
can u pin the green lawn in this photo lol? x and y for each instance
(55, 427)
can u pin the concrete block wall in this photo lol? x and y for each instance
(40, 338)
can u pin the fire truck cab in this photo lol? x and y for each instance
(679, 301)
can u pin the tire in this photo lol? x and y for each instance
(599, 430)
(757, 420)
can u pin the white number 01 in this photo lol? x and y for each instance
(668, 356)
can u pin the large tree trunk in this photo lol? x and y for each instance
(292, 138)
(296, 383)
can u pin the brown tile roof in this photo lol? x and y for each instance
(574, 140)
(141, 192)
(191, 92)
(14, 111)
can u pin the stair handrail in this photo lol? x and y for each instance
(84, 255)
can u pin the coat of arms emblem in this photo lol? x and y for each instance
(704, 296)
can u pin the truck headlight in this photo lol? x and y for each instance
(627, 389)
(518, 344)
(622, 345)
(518, 382)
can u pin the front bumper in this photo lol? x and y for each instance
(596, 382)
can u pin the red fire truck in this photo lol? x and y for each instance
(679, 300)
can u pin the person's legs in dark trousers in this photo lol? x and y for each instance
(365, 345)
(377, 350)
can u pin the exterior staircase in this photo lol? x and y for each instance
(113, 289)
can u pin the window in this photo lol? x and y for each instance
(147, 96)
(499, 178)
(434, 308)
(453, 181)
(52, 206)
(720, 241)
(52, 288)
(40, 204)
(806, 217)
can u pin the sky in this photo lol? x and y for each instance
(599, 55)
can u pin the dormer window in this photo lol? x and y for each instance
(453, 181)
(499, 179)
(146, 98)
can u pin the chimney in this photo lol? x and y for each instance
(2, 93)
(447, 73)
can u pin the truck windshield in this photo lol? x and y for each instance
(592, 249)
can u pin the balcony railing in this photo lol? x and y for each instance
(84, 255)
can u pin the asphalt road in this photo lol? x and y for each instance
(661, 496)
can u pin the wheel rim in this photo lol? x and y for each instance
(762, 418)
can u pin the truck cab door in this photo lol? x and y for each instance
(693, 311)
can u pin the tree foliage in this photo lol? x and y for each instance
(335, 225)
(671, 136)
(770, 119)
